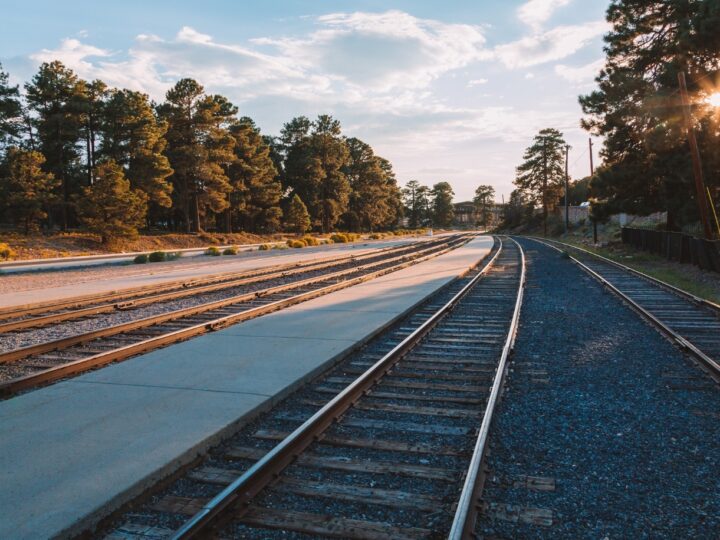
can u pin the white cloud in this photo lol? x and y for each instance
(581, 74)
(536, 12)
(476, 82)
(383, 51)
(555, 44)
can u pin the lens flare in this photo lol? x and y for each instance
(713, 99)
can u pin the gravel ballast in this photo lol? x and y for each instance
(599, 401)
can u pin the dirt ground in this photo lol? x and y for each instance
(72, 244)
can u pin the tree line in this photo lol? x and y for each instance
(78, 153)
(637, 109)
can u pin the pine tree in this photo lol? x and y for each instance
(110, 207)
(442, 202)
(134, 138)
(417, 203)
(254, 201)
(53, 98)
(541, 176)
(90, 102)
(374, 191)
(484, 198)
(314, 167)
(10, 112)
(297, 218)
(27, 190)
(200, 149)
(636, 108)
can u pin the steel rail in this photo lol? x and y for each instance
(63, 343)
(656, 281)
(681, 341)
(32, 380)
(237, 495)
(119, 297)
(122, 302)
(467, 508)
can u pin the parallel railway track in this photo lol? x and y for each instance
(394, 453)
(42, 314)
(34, 365)
(692, 322)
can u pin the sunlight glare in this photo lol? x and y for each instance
(713, 99)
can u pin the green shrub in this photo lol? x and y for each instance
(232, 250)
(310, 241)
(173, 255)
(141, 259)
(6, 252)
(157, 256)
(212, 251)
(296, 244)
(264, 247)
(339, 238)
(280, 246)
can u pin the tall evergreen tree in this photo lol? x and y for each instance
(314, 164)
(442, 204)
(10, 112)
(256, 193)
(90, 104)
(417, 203)
(373, 196)
(541, 176)
(637, 110)
(27, 190)
(297, 219)
(52, 96)
(484, 199)
(134, 138)
(110, 207)
(200, 149)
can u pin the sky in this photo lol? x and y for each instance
(446, 90)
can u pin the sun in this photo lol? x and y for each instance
(713, 99)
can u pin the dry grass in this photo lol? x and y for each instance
(73, 244)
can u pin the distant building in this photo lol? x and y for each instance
(466, 214)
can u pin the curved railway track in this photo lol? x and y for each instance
(692, 322)
(394, 453)
(34, 365)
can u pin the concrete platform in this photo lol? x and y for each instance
(70, 450)
(185, 269)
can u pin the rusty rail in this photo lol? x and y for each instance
(51, 374)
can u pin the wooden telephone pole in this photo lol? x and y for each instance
(567, 187)
(592, 173)
(695, 154)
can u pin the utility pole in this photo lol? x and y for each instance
(567, 188)
(592, 173)
(695, 154)
(544, 192)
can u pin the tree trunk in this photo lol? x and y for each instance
(195, 210)
(227, 217)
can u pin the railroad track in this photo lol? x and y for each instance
(394, 453)
(43, 314)
(692, 322)
(38, 364)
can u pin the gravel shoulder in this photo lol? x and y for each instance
(601, 403)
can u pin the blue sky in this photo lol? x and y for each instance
(449, 90)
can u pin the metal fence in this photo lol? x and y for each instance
(676, 246)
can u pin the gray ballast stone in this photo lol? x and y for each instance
(634, 454)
